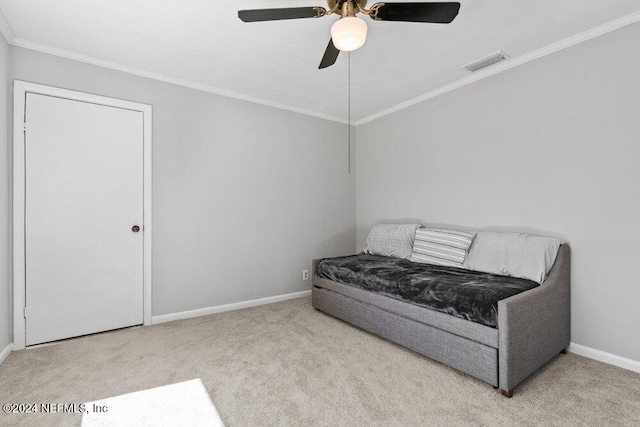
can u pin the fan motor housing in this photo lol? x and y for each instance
(332, 3)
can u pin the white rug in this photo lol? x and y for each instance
(186, 404)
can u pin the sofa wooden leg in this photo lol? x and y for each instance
(506, 393)
(563, 351)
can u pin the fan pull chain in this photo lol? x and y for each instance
(349, 116)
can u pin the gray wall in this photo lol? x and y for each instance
(550, 147)
(244, 196)
(5, 199)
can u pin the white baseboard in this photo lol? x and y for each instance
(227, 307)
(603, 356)
(581, 350)
(6, 352)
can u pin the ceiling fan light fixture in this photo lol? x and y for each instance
(349, 33)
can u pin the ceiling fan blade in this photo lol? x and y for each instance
(330, 55)
(437, 13)
(257, 15)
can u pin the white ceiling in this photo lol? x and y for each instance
(204, 43)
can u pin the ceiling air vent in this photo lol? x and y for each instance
(485, 61)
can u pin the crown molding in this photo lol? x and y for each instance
(479, 75)
(511, 63)
(5, 29)
(63, 53)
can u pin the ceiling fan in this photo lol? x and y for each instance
(350, 32)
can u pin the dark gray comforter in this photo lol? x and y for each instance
(467, 294)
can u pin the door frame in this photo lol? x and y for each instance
(20, 90)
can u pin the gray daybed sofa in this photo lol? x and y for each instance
(530, 328)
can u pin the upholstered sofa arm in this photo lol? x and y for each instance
(534, 326)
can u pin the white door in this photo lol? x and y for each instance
(83, 199)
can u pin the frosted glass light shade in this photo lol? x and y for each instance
(349, 33)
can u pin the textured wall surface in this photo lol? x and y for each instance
(5, 198)
(550, 147)
(244, 196)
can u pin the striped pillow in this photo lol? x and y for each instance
(440, 247)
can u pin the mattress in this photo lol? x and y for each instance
(470, 295)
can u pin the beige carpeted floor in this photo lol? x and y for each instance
(287, 364)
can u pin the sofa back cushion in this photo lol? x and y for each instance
(512, 254)
(440, 247)
(394, 240)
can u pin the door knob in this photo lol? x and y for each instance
(135, 228)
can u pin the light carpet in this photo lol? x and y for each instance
(182, 404)
(288, 364)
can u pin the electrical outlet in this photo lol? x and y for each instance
(305, 274)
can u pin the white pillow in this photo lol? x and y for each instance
(440, 247)
(512, 254)
(394, 240)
